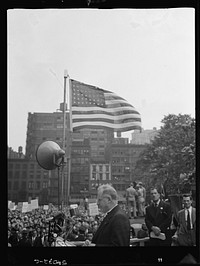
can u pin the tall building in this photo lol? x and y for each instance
(123, 158)
(11, 154)
(100, 141)
(88, 146)
(96, 158)
(42, 127)
(26, 179)
(144, 137)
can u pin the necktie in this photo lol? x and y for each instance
(188, 221)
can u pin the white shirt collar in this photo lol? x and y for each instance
(190, 209)
(111, 209)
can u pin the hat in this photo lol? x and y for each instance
(25, 231)
(82, 229)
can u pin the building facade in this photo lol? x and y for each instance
(96, 158)
(144, 137)
(26, 180)
(123, 159)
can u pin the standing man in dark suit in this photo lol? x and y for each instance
(114, 230)
(158, 220)
(186, 229)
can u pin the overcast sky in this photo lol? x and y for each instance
(146, 56)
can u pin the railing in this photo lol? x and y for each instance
(138, 241)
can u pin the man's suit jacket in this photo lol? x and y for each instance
(160, 216)
(185, 237)
(114, 230)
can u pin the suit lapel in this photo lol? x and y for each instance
(193, 216)
(105, 221)
(183, 219)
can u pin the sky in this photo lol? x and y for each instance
(146, 56)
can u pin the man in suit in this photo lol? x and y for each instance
(114, 230)
(158, 219)
(186, 229)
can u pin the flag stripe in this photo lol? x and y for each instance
(94, 107)
(76, 128)
(103, 116)
(107, 120)
(105, 124)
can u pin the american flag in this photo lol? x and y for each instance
(93, 107)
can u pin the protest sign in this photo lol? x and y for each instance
(24, 207)
(29, 208)
(34, 204)
(93, 209)
(46, 207)
(74, 209)
(19, 206)
(12, 206)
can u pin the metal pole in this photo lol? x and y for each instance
(58, 187)
(69, 142)
(63, 140)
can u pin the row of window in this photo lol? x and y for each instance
(80, 151)
(24, 175)
(94, 168)
(100, 176)
(80, 160)
(31, 185)
(23, 166)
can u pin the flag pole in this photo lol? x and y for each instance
(63, 139)
(69, 141)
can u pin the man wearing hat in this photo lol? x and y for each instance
(25, 241)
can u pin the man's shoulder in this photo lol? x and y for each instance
(181, 211)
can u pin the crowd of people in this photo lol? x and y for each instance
(33, 228)
(111, 227)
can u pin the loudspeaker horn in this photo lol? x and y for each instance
(49, 155)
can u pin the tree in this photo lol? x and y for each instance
(171, 155)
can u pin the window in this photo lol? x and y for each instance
(10, 174)
(94, 168)
(100, 168)
(45, 175)
(17, 174)
(30, 185)
(38, 185)
(107, 176)
(59, 126)
(107, 168)
(24, 174)
(93, 176)
(100, 176)
(17, 166)
(10, 166)
(23, 185)
(16, 185)
(9, 185)
(45, 184)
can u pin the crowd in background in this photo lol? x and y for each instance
(36, 228)
(32, 228)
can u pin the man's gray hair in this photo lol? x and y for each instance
(109, 190)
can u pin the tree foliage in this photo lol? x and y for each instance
(170, 159)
